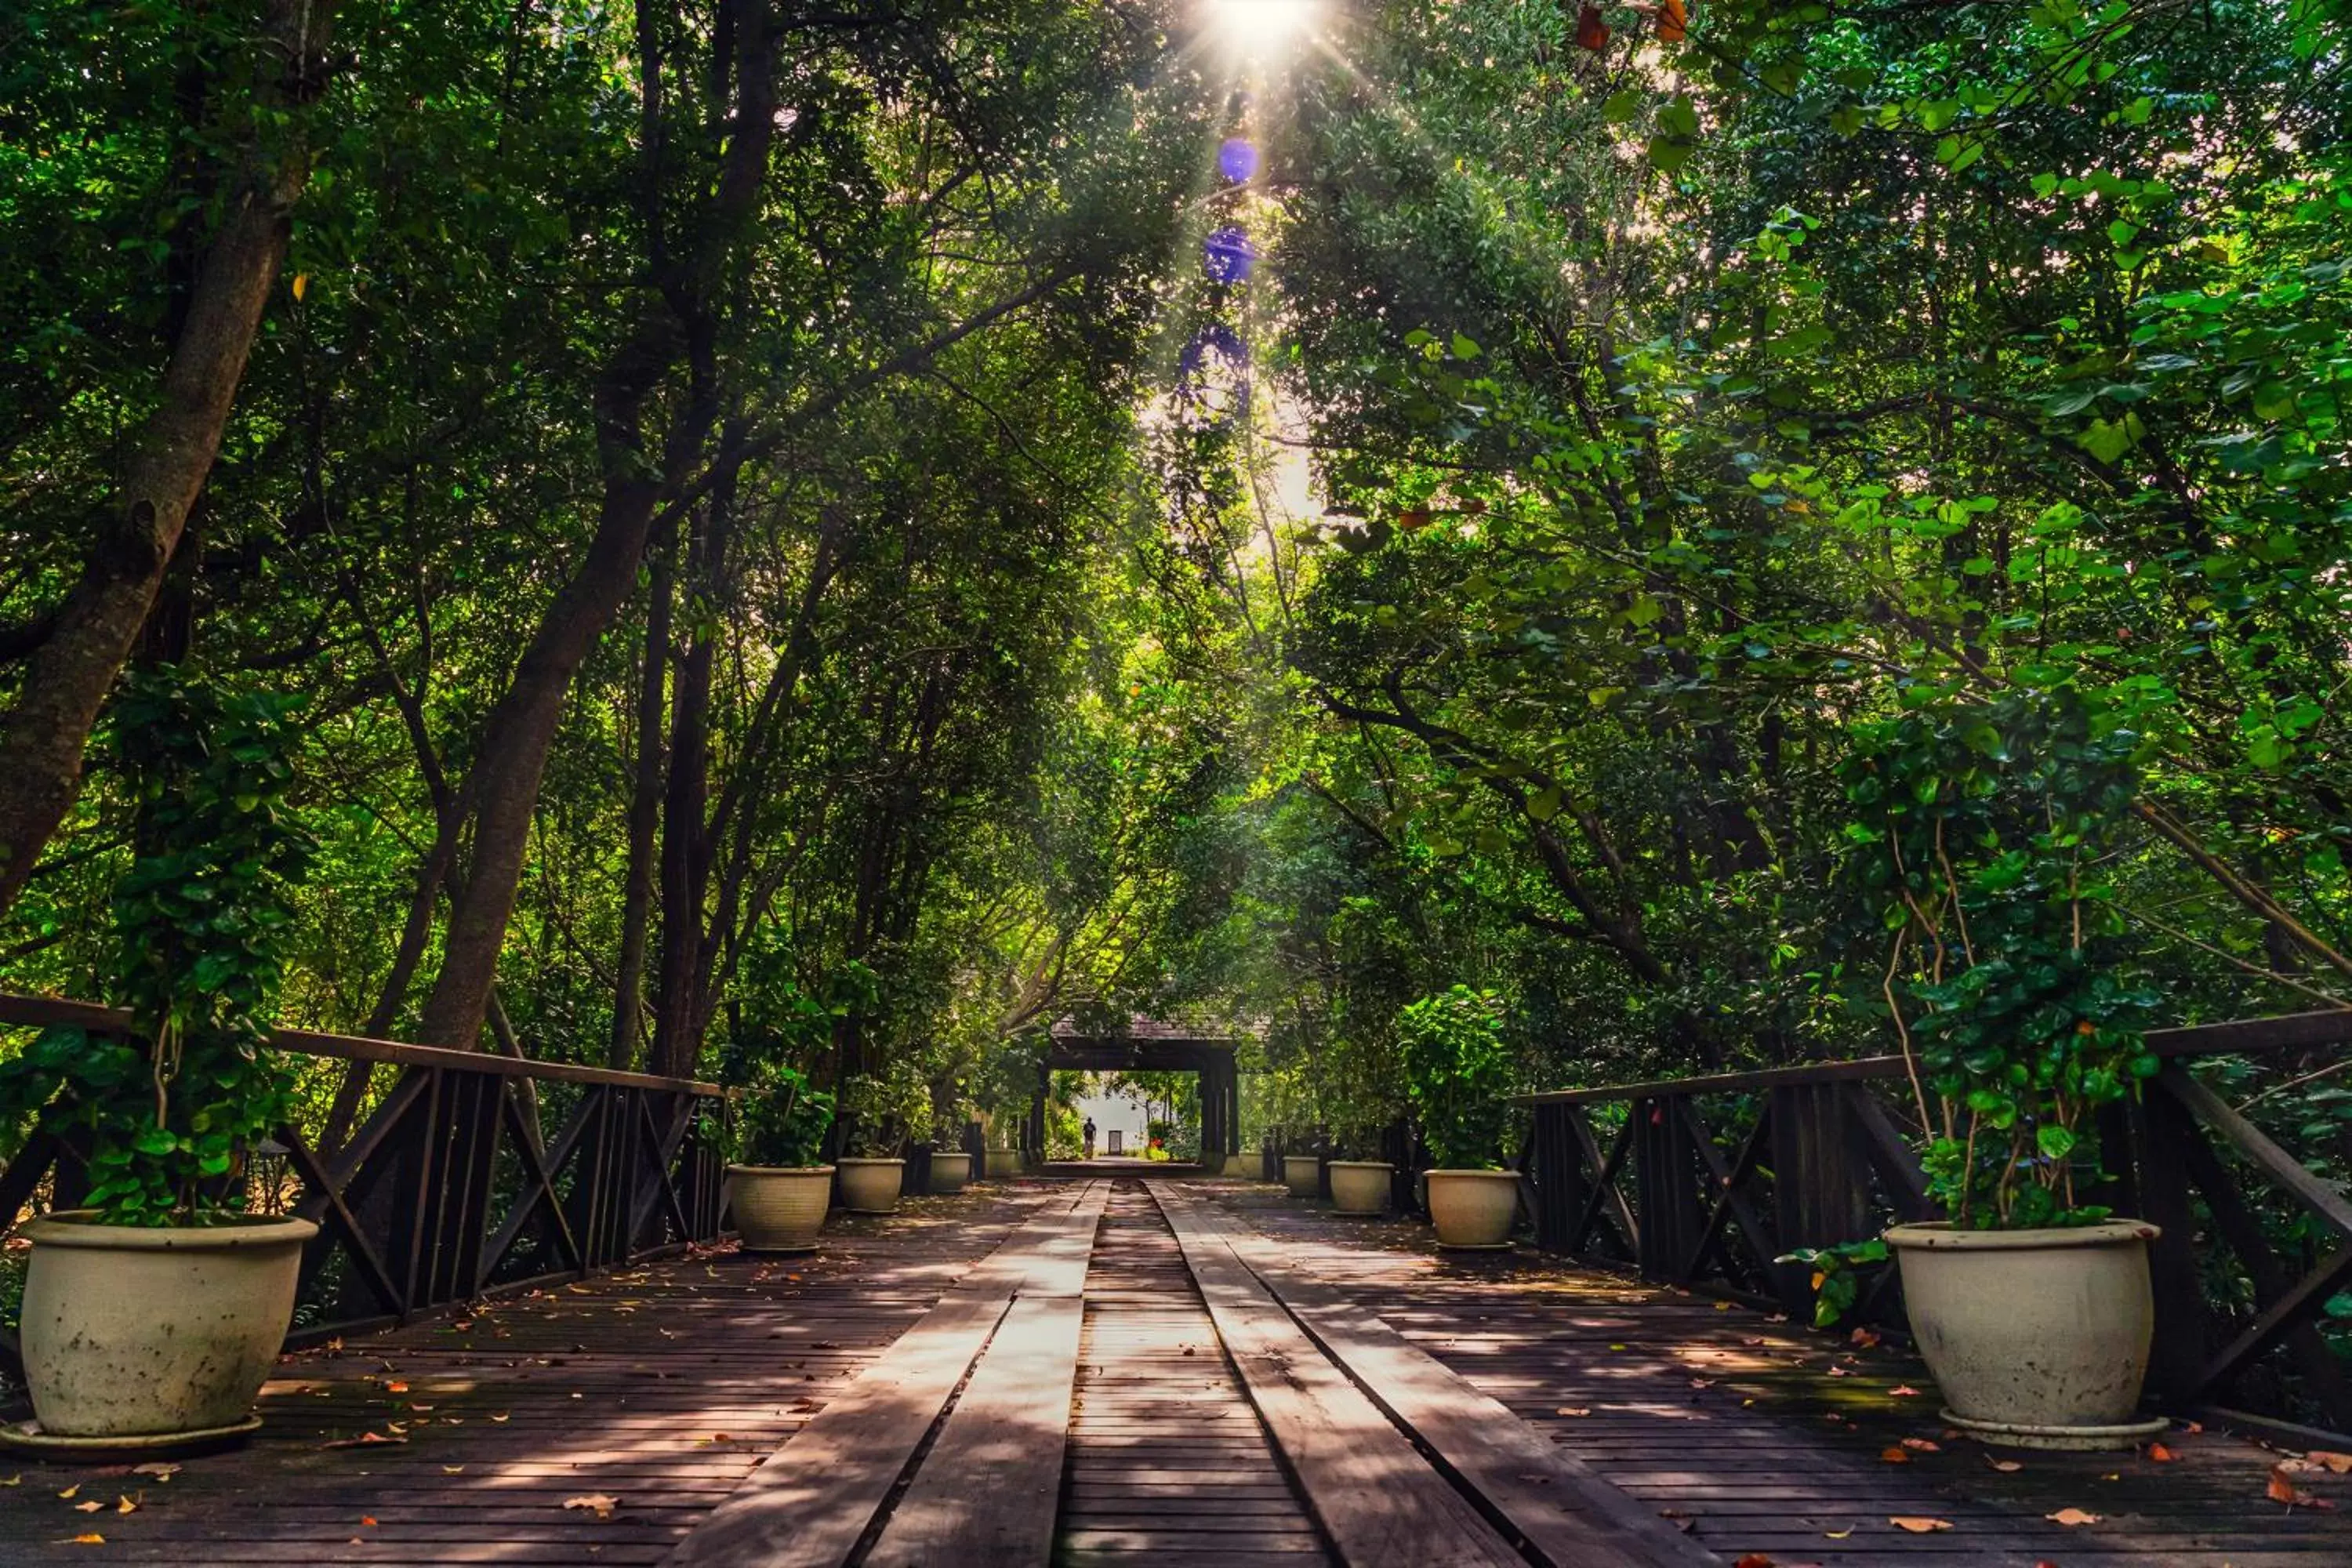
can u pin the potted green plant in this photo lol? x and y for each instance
(879, 1111)
(950, 1162)
(780, 1191)
(1457, 1073)
(1981, 837)
(1361, 1185)
(152, 1313)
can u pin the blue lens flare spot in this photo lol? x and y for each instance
(1237, 160)
(1228, 256)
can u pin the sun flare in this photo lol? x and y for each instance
(1262, 27)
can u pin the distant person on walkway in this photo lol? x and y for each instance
(1090, 1137)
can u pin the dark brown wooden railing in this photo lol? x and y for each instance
(450, 1189)
(1704, 1181)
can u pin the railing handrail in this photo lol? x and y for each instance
(2288, 1031)
(45, 1012)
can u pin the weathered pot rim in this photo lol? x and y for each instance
(69, 1228)
(1939, 1236)
(1362, 1165)
(866, 1159)
(1302, 1159)
(1491, 1175)
(779, 1170)
(939, 1154)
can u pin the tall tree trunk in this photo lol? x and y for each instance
(42, 742)
(645, 817)
(522, 727)
(686, 836)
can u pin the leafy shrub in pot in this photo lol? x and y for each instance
(780, 1190)
(159, 1306)
(1457, 1073)
(1981, 832)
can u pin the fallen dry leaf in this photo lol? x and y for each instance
(453, 1469)
(161, 1472)
(2071, 1517)
(364, 1440)
(2283, 1489)
(368, 1520)
(603, 1504)
(1922, 1446)
(1904, 1391)
(88, 1505)
(125, 1505)
(2006, 1467)
(500, 1414)
(1918, 1525)
(1839, 1534)
(1573, 1410)
(88, 1538)
(2339, 1463)
(1837, 1371)
(2158, 1454)
(395, 1388)
(1865, 1339)
(1898, 1455)
(1754, 1560)
(70, 1490)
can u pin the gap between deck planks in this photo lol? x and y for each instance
(1359, 1455)
(815, 1500)
(1562, 1512)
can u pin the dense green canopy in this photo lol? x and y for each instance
(788, 547)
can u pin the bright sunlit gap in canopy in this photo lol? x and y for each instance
(1262, 27)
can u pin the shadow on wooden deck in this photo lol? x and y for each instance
(592, 1424)
(1759, 1437)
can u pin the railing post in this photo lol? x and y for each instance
(1818, 1195)
(2158, 1128)
(1561, 1183)
(1669, 1190)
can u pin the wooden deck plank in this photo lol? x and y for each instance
(986, 1495)
(1380, 1502)
(1763, 1437)
(1550, 1501)
(814, 1501)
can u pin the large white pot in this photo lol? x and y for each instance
(1300, 1174)
(780, 1208)
(871, 1186)
(1361, 1186)
(950, 1172)
(133, 1331)
(1473, 1209)
(2038, 1338)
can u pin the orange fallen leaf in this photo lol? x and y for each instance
(1865, 1339)
(1754, 1560)
(2284, 1490)
(599, 1502)
(2071, 1517)
(125, 1505)
(1904, 1391)
(395, 1388)
(2158, 1454)
(70, 1490)
(88, 1538)
(1918, 1525)
(88, 1505)
(1922, 1446)
(1573, 1410)
(368, 1520)
(2339, 1463)
(1837, 1371)
(161, 1472)
(1898, 1455)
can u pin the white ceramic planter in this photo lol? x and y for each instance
(2039, 1339)
(1301, 1174)
(950, 1172)
(1473, 1210)
(137, 1332)
(780, 1208)
(1361, 1186)
(871, 1186)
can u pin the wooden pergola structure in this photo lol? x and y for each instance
(1147, 1045)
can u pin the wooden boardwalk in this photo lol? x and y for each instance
(1098, 1374)
(1756, 1437)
